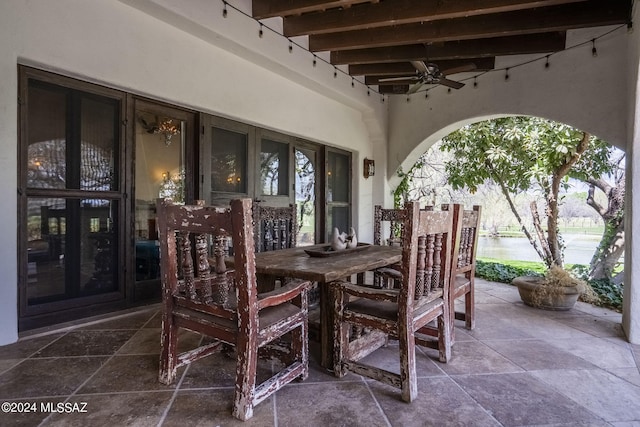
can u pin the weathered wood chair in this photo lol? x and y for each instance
(201, 295)
(387, 276)
(275, 227)
(404, 314)
(463, 284)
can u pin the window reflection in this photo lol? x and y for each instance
(274, 168)
(228, 161)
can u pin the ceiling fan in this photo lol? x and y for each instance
(429, 73)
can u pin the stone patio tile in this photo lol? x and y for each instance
(87, 343)
(47, 377)
(521, 399)
(601, 352)
(606, 395)
(26, 347)
(125, 409)
(341, 404)
(445, 404)
(537, 354)
(476, 358)
(213, 408)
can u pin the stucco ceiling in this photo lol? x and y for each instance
(383, 39)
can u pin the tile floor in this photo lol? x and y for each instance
(519, 367)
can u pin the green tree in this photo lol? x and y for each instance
(523, 153)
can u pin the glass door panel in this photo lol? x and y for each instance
(306, 171)
(159, 173)
(338, 191)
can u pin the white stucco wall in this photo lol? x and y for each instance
(186, 63)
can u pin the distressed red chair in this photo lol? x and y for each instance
(428, 246)
(201, 295)
(463, 284)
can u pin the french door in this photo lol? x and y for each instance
(71, 197)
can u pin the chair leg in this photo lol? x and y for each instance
(341, 335)
(444, 335)
(300, 341)
(168, 351)
(469, 309)
(408, 375)
(246, 367)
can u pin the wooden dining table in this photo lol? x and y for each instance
(324, 268)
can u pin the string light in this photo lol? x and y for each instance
(506, 74)
(546, 64)
(353, 82)
(408, 98)
(475, 81)
(290, 46)
(335, 72)
(224, 10)
(315, 60)
(594, 51)
(260, 32)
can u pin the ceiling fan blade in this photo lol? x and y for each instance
(420, 66)
(460, 69)
(414, 88)
(450, 83)
(399, 79)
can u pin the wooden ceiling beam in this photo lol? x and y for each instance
(398, 12)
(555, 18)
(406, 69)
(262, 9)
(499, 46)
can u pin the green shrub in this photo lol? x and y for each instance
(503, 273)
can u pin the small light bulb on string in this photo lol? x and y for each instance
(426, 94)
(353, 82)
(290, 46)
(506, 74)
(335, 72)
(546, 64)
(594, 51)
(382, 99)
(368, 91)
(260, 31)
(475, 82)
(315, 60)
(224, 10)
(408, 98)
(449, 90)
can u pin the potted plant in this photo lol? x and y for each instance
(556, 290)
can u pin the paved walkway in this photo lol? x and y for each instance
(519, 367)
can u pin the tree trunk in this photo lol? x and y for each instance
(611, 245)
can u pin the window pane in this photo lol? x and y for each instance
(338, 177)
(338, 217)
(274, 168)
(46, 153)
(71, 248)
(99, 137)
(228, 161)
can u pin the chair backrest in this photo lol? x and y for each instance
(193, 245)
(469, 231)
(428, 248)
(395, 218)
(274, 227)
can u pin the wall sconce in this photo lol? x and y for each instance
(369, 168)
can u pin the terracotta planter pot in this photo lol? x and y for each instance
(560, 302)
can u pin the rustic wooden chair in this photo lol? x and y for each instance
(463, 284)
(201, 295)
(387, 276)
(404, 314)
(275, 227)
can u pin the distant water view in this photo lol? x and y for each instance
(579, 248)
